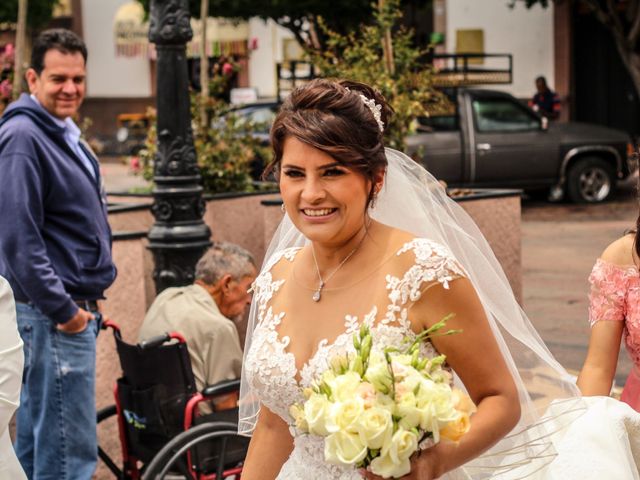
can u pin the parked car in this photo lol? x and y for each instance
(132, 132)
(493, 140)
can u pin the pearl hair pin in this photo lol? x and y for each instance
(376, 109)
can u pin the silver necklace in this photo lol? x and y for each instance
(322, 282)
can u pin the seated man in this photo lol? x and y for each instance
(203, 314)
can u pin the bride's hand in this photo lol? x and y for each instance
(423, 467)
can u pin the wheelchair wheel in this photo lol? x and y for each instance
(205, 449)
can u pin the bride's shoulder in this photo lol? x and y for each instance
(407, 243)
(411, 250)
(280, 261)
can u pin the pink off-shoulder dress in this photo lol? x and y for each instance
(615, 297)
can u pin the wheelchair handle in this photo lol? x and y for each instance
(158, 340)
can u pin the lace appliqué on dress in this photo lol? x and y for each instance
(615, 297)
(272, 370)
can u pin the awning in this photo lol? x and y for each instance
(130, 32)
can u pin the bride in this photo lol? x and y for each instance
(370, 237)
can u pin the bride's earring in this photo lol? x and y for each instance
(376, 191)
(282, 207)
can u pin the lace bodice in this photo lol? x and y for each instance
(271, 368)
(615, 296)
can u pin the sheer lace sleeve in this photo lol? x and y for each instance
(609, 284)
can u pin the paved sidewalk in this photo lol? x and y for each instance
(560, 244)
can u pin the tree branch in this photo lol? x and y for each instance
(615, 18)
(633, 14)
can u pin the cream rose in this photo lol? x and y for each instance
(344, 448)
(316, 410)
(386, 468)
(344, 415)
(344, 387)
(403, 444)
(455, 430)
(407, 411)
(375, 427)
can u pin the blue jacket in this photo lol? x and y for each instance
(55, 241)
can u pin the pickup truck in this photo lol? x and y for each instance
(494, 140)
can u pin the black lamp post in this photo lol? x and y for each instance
(179, 236)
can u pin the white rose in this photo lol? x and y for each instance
(316, 410)
(344, 387)
(402, 445)
(407, 411)
(436, 406)
(344, 415)
(386, 468)
(344, 448)
(375, 427)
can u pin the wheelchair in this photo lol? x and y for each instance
(162, 434)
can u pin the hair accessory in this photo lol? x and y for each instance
(376, 110)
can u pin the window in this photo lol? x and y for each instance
(439, 123)
(503, 115)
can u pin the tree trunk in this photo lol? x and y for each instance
(204, 65)
(21, 34)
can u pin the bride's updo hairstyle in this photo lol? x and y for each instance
(331, 116)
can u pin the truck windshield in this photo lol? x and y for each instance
(502, 115)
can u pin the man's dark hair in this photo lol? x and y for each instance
(65, 41)
(542, 79)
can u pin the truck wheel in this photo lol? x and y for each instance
(590, 180)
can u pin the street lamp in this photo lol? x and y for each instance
(178, 237)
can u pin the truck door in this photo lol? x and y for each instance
(509, 145)
(439, 146)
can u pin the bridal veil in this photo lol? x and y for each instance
(413, 200)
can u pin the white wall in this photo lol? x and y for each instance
(527, 34)
(107, 74)
(262, 62)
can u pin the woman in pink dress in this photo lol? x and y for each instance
(614, 313)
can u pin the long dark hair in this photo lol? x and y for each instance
(331, 116)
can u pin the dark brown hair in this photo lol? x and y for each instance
(331, 116)
(65, 41)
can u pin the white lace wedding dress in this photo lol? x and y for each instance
(272, 370)
(273, 375)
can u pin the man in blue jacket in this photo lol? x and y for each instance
(55, 251)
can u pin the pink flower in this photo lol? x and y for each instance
(227, 68)
(134, 163)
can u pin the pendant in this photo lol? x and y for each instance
(316, 294)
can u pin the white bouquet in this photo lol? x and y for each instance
(374, 408)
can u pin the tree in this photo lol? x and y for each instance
(40, 12)
(301, 17)
(622, 19)
(391, 64)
